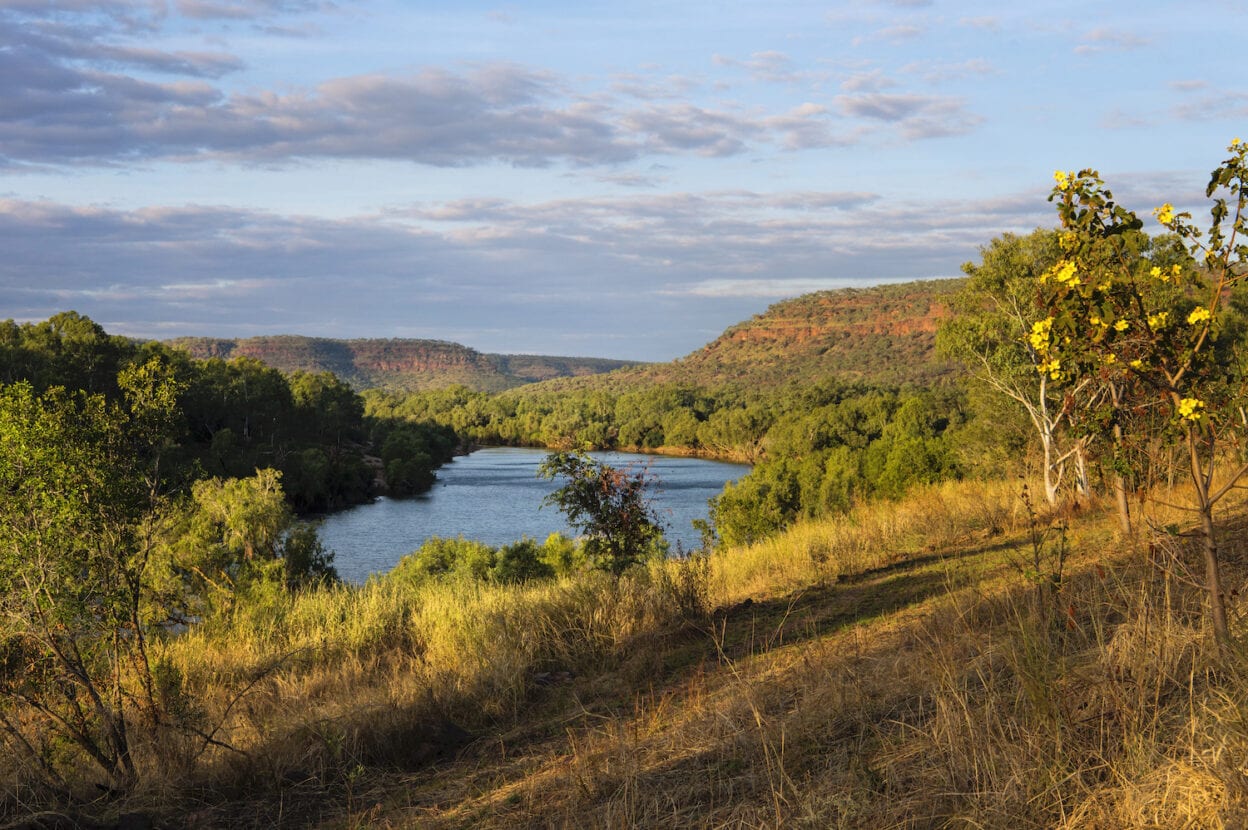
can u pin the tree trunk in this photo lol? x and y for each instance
(1120, 487)
(1052, 476)
(1209, 541)
(1213, 576)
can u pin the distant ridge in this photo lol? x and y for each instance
(884, 335)
(398, 364)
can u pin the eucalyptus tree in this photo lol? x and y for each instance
(996, 310)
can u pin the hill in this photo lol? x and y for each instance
(884, 335)
(398, 364)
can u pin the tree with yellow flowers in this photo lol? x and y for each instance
(1150, 336)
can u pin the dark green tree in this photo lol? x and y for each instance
(608, 505)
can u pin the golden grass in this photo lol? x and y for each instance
(898, 667)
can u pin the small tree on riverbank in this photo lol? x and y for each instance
(608, 505)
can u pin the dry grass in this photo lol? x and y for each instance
(908, 666)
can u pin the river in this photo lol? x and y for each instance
(494, 495)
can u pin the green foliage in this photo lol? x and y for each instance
(231, 416)
(460, 558)
(232, 535)
(410, 452)
(76, 536)
(609, 506)
(834, 446)
(305, 561)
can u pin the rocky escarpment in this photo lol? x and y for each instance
(398, 364)
(884, 334)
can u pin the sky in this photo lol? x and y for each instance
(615, 179)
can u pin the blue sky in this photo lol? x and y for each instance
(620, 179)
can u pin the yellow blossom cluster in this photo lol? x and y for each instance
(1165, 213)
(1199, 315)
(1166, 276)
(1039, 335)
(1063, 273)
(1159, 320)
(1062, 178)
(1191, 409)
(1052, 367)
(1121, 325)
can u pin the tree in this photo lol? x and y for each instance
(1153, 334)
(990, 335)
(234, 534)
(609, 506)
(79, 478)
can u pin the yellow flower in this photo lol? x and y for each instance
(1064, 273)
(1158, 320)
(1062, 179)
(1137, 364)
(1039, 336)
(1165, 213)
(1190, 409)
(1199, 314)
(1158, 274)
(1053, 368)
(1068, 240)
(1111, 359)
(1121, 325)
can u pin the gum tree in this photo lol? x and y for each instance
(1151, 336)
(989, 335)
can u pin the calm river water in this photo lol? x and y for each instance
(495, 496)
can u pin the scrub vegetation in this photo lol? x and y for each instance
(1010, 596)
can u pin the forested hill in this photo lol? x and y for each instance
(883, 335)
(399, 364)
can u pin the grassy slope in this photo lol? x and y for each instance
(889, 669)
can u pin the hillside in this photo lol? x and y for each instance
(398, 364)
(894, 668)
(883, 335)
